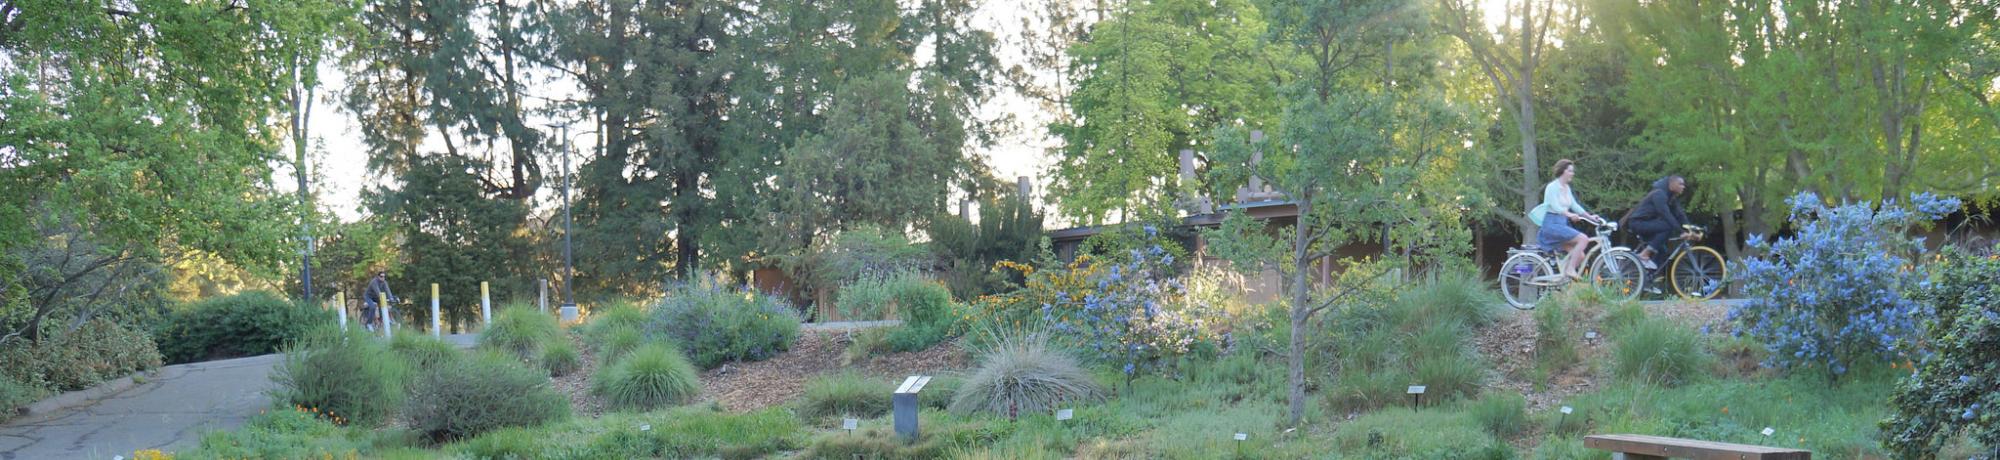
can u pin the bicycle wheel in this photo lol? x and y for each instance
(1619, 271)
(1519, 280)
(1698, 274)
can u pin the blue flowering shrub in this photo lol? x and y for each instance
(1952, 391)
(1831, 295)
(1133, 313)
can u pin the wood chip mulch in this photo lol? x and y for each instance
(752, 386)
(576, 385)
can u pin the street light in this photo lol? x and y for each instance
(568, 310)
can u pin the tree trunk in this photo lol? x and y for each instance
(1301, 290)
(1524, 122)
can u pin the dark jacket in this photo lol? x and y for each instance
(377, 287)
(1659, 205)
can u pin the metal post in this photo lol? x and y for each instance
(544, 303)
(340, 305)
(904, 404)
(485, 306)
(569, 268)
(437, 330)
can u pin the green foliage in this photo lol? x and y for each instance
(1502, 414)
(721, 325)
(1429, 433)
(1803, 410)
(1654, 350)
(560, 358)
(96, 351)
(928, 314)
(1951, 392)
(1024, 375)
(348, 376)
(845, 394)
(942, 434)
(605, 319)
(1555, 335)
(1420, 337)
(856, 255)
(521, 332)
(1009, 228)
(15, 394)
(466, 397)
(617, 342)
(651, 377)
(280, 434)
(688, 432)
(247, 324)
(421, 351)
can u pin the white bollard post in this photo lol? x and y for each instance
(386, 327)
(545, 296)
(340, 305)
(436, 330)
(485, 306)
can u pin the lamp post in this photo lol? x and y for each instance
(569, 311)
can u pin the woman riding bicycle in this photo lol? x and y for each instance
(1559, 207)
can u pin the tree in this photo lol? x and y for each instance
(1009, 228)
(1510, 63)
(147, 123)
(1150, 83)
(1366, 157)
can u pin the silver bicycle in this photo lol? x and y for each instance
(1532, 273)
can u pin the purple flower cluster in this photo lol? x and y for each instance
(1131, 316)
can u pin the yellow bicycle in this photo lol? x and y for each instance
(1695, 272)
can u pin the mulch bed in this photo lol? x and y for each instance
(746, 387)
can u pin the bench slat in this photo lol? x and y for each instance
(1688, 448)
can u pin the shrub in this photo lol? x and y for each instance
(521, 332)
(423, 351)
(1139, 315)
(466, 397)
(653, 376)
(1831, 294)
(1419, 337)
(560, 358)
(618, 341)
(1958, 377)
(1656, 351)
(915, 338)
(98, 350)
(1555, 337)
(1503, 414)
(15, 394)
(1448, 295)
(722, 325)
(865, 343)
(610, 318)
(1024, 375)
(247, 324)
(857, 253)
(845, 393)
(698, 433)
(287, 433)
(350, 377)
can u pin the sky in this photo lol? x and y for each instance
(340, 159)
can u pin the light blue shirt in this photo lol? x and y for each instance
(1556, 197)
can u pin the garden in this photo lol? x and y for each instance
(1854, 342)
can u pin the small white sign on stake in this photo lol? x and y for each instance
(1416, 389)
(1242, 436)
(1592, 335)
(646, 427)
(1566, 410)
(1065, 414)
(1768, 431)
(850, 424)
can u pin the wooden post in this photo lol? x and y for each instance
(485, 306)
(340, 305)
(437, 330)
(384, 299)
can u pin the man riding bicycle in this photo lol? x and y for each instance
(377, 289)
(1657, 219)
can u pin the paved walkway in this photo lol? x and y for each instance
(170, 411)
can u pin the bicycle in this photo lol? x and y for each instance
(1530, 272)
(1695, 272)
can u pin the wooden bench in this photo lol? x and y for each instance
(1641, 447)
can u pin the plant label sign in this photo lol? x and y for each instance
(1592, 335)
(1768, 431)
(646, 427)
(1242, 436)
(1065, 414)
(850, 424)
(1566, 410)
(1416, 389)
